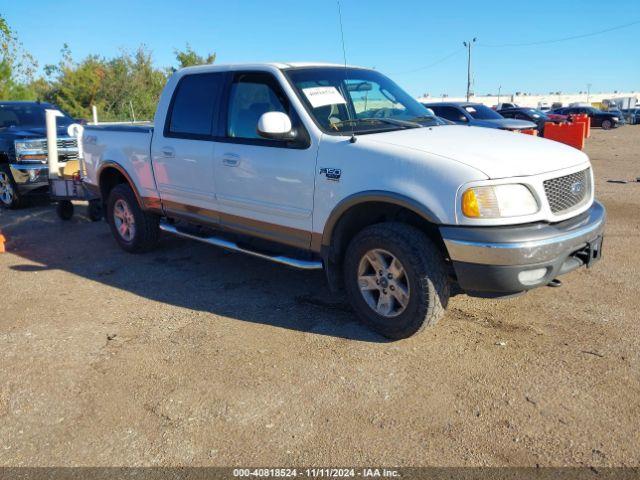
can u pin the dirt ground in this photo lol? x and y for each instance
(191, 355)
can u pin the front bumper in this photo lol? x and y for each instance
(29, 176)
(489, 261)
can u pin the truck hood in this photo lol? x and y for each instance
(496, 153)
(18, 133)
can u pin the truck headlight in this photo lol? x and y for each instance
(31, 150)
(495, 201)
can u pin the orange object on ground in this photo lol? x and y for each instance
(530, 131)
(587, 123)
(568, 133)
(2, 240)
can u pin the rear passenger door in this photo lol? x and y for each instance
(183, 151)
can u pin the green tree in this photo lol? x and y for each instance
(17, 66)
(125, 87)
(188, 57)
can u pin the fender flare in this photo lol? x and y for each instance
(381, 196)
(119, 168)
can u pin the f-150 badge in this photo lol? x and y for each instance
(331, 173)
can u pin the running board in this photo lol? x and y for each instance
(220, 242)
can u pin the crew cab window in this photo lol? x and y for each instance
(195, 105)
(252, 95)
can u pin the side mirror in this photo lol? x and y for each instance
(275, 126)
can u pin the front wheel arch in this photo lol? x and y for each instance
(358, 211)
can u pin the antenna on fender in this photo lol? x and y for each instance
(344, 56)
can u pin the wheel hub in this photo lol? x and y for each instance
(383, 283)
(124, 220)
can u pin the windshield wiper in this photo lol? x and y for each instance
(389, 121)
(395, 121)
(434, 120)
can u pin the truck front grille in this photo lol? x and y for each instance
(569, 192)
(67, 148)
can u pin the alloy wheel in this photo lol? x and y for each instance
(383, 283)
(7, 195)
(124, 220)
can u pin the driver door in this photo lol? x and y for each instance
(264, 187)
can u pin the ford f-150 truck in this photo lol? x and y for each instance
(23, 149)
(323, 166)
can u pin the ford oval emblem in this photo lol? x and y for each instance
(576, 188)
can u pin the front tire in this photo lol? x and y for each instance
(9, 196)
(606, 124)
(134, 229)
(396, 279)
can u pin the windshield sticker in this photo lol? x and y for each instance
(322, 96)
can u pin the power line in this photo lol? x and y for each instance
(573, 37)
(447, 57)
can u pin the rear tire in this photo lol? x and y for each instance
(64, 209)
(95, 210)
(134, 229)
(421, 291)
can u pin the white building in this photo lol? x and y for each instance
(526, 100)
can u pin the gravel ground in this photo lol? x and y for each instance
(194, 356)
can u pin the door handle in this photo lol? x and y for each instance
(230, 159)
(168, 152)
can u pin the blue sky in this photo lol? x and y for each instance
(396, 37)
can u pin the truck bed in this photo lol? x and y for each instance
(126, 146)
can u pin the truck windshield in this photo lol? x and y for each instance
(537, 114)
(346, 100)
(27, 115)
(482, 112)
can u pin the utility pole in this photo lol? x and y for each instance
(499, 89)
(468, 45)
(588, 91)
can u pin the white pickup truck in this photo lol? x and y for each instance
(322, 166)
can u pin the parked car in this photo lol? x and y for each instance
(318, 166)
(619, 114)
(476, 115)
(633, 115)
(597, 117)
(23, 149)
(504, 105)
(531, 115)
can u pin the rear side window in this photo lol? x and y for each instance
(194, 110)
